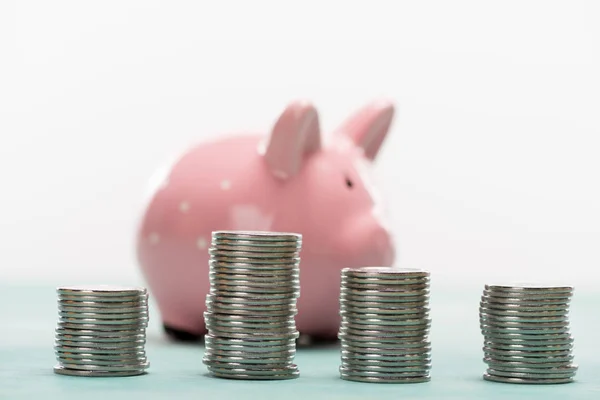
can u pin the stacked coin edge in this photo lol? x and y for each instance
(385, 325)
(101, 331)
(251, 306)
(527, 338)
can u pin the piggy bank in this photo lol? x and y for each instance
(291, 179)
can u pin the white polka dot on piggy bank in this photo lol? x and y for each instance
(287, 180)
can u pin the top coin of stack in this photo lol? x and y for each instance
(526, 333)
(254, 280)
(101, 331)
(385, 325)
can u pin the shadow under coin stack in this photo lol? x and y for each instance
(526, 334)
(254, 287)
(385, 325)
(101, 331)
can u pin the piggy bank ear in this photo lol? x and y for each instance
(368, 127)
(295, 135)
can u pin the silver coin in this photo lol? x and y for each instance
(254, 326)
(408, 296)
(502, 379)
(240, 309)
(536, 319)
(421, 363)
(250, 349)
(384, 357)
(256, 370)
(250, 301)
(217, 252)
(519, 347)
(257, 333)
(93, 361)
(499, 364)
(528, 338)
(523, 353)
(346, 329)
(398, 319)
(106, 357)
(98, 349)
(103, 310)
(72, 372)
(401, 283)
(516, 297)
(98, 301)
(210, 359)
(223, 259)
(527, 359)
(381, 310)
(530, 287)
(234, 266)
(93, 339)
(236, 276)
(267, 287)
(513, 323)
(216, 351)
(247, 318)
(377, 379)
(107, 368)
(401, 344)
(103, 316)
(101, 290)
(535, 372)
(98, 334)
(254, 244)
(241, 246)
(385, 370)
(256, 235)
(69, 322)
(381, 339)
(487, 328)
(349, 283)
(523, 314)
(229, 331)
(229, 272)
(352, 372)
(240, 376)
(386, 351)
(103, 345)
(243, 290)
(560, 341)
(388, 272)
(359, 319)
(523, 304)
(103, 305)
(258, 342)
(521, 375)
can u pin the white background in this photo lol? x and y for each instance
(492, 168)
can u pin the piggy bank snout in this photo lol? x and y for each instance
(372, 241)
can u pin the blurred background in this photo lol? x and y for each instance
(491, 169)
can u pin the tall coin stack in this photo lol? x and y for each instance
(101, 331)
(526, 333)
(254, 287)
(385, 325)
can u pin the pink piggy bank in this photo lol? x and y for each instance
(289, 180)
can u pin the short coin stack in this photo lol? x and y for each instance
(385, 325)
(526, 334)
(254, 287)
(101, 331)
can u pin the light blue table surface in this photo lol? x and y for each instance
(28, 316)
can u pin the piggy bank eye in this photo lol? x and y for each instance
(349, 183)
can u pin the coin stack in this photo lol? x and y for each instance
(254, 287)
(526, 333)
(385, 325)
(101, 331)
